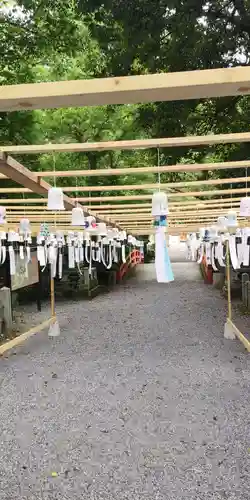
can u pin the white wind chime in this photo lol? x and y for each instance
(163, 267)
(225, 245)
(227, 233)
(95, 243)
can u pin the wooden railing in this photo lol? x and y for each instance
(134, 258)
(207, 271)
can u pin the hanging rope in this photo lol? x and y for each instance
(24, 206)
(54, 168)
(76, 200)
(158, 165)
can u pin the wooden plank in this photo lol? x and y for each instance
(100, 206)
(215, 192)
(24, 336)
(181, 204)
(127, 90)
(137, 187)
(24, 201)
(172, 209)
(169, 142)
(191, 167)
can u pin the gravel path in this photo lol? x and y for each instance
(140, 398)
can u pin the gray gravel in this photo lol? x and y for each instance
(140, 398)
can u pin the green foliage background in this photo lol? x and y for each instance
(50, 40)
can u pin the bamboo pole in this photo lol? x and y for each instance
(24, 336)
(52, 297)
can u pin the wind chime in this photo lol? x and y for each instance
(163, 267)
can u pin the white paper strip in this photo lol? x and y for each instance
(232, 250)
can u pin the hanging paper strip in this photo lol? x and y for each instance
(213, 258)
(164, 272)
(233, 254)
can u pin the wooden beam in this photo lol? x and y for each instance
(127, 90)
(138, 197)
(172, 209)
(169, 142)
(181, 204)
(137, 187)
(190, 167)
(24, 201)
(21, 175)
(100, 207)
(110, 212)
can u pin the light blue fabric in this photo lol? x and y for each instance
(168, 265)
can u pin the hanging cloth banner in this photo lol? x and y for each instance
(208, 253)
(219, 255)
(213, 258)
(164, 272)
(233, 254)
(201, 254)
(245, 246)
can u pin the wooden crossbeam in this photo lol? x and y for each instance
(21, 175)
(190, 167)
(169, 142)
(33, 204)
(139, 198)
(119, 220)
(137, 187)
(181, 204)
(172, 209)
(127, 90)
(182, 194)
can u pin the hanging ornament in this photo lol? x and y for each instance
(90, 223)
(77, 217)
(24, 226)
(231, 220)
(221, 224)
(55, 199)
(102, 229)
(245, 203)
(159, 204)
(245, 207)
(44, 229)
(2, 215)
(213, 234)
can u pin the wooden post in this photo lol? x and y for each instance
(52, 297)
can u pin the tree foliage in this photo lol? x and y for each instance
(45, 40)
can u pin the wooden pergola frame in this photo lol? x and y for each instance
(135, 89)
(123, 90)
